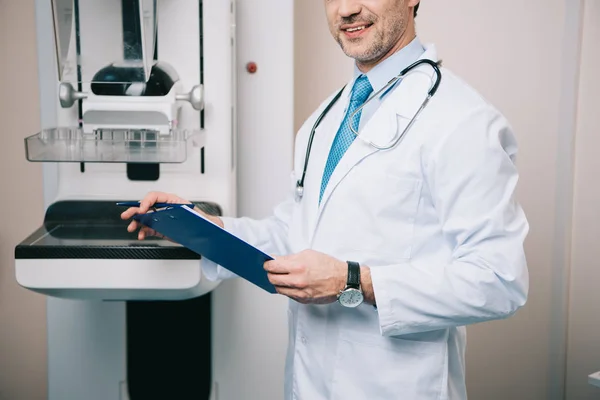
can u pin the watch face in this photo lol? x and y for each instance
(351, 298)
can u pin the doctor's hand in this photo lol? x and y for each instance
(309, 277)
(146, 205)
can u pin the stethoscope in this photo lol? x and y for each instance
(395, 140)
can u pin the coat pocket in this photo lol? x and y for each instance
(378, 368)
(380, 218)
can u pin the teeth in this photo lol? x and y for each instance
(359, 28)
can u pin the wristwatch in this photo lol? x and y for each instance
(352, 296)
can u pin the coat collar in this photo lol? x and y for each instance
(390, 119)
(381, 74)
(403, 102)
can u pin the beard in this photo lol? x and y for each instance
(384, 34)
(363, 51)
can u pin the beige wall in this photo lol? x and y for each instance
(482, 41)
(583, 355)
(320, 66)
(22, 313)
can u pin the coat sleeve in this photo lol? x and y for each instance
(269, 235)
(472, 176)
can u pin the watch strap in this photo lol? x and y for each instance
(353, 280)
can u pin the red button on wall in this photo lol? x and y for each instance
(251, 67)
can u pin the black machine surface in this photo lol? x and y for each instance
(94, 229)
(169, 353)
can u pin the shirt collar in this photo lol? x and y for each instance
(382, 73)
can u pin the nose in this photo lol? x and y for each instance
(349, 7)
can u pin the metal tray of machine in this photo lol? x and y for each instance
(83, 250)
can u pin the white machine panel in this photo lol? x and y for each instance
(151, 327)
(114, 280)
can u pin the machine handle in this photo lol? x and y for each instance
(68, 95)
(195, 97)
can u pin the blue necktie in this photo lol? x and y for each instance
(344, 138)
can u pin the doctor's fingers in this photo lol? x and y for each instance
(286, 281)
(158, 197)
(280, 265)
(149, 201)
(130, 212)
(148, 232)
(295, 294)
(133, 226)
(152, 198)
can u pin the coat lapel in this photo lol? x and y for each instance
(357, 151)
(323, 139)
(387, 123)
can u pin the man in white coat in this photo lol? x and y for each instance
(389, 254)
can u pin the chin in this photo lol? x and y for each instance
(356, 52)
(360, 51)
(360, 56)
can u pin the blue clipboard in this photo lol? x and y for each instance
(191, 230)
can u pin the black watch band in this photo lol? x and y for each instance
(353, 280)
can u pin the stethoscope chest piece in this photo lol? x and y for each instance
(299, 191)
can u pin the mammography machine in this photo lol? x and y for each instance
(137, 95)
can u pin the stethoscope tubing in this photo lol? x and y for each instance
(393, 81)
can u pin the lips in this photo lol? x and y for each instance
(358, 28)
(355, 30)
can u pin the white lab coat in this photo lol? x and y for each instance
(436, 221)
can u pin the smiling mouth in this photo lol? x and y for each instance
(356, 30)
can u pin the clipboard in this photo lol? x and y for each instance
(185, 226)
